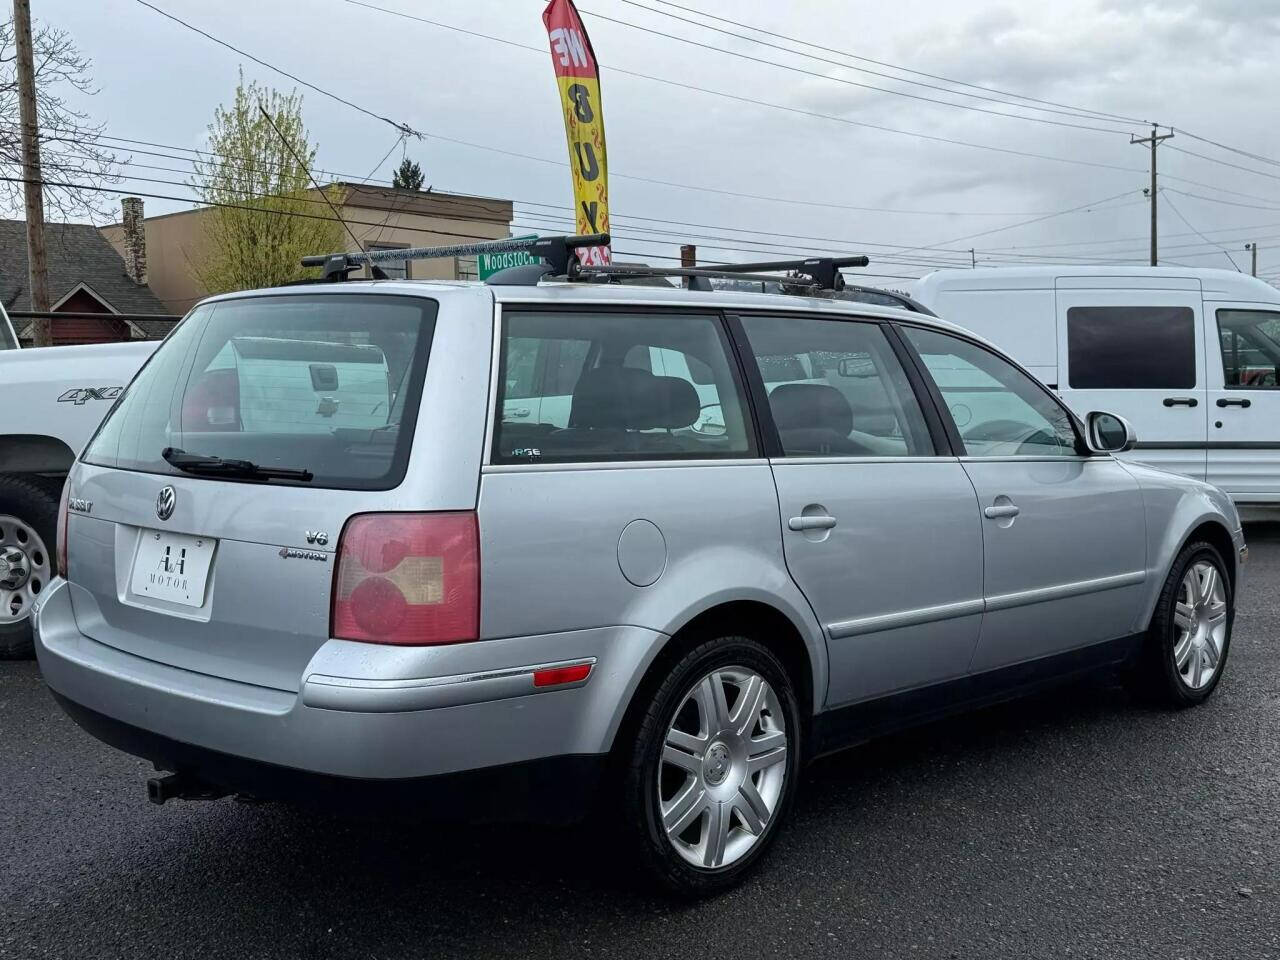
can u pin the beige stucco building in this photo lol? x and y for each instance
(380, 217)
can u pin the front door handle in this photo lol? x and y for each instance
(1001, 511)
(1234, 402)
(811, 523)
(1181, 402)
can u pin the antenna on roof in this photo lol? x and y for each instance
(378, 273)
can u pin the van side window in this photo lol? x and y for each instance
(591, 386)
(1250, 348)
(1131, 348)
(836, 389)
(999, 410)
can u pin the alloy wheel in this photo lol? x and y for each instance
(723, 767)
(1200, 622)
(25, 568)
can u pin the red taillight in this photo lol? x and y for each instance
(60, 548)
(212, 403)
(410, 578)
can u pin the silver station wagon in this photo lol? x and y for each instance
(600, 544)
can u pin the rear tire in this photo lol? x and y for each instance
(28, 534)
(720, 769)
(1185, 651)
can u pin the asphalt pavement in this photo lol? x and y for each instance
(1074, 824)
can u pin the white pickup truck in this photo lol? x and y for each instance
(51, 400)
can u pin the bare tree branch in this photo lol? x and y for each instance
(70, 143)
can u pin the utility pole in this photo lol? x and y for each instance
(973, 260)
(688, 258)
(1254, 248)
(33, 183)
(1155, 139)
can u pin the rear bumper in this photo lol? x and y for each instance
(553, 790)
(363, 712)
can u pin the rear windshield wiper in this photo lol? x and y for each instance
(199, 463)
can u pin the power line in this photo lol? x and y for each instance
(742, 99)
(402, 127)
(1172, 206)
(821, 76)
(1222, 146)
(1226, 163)
(894, 66)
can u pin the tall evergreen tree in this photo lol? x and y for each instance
(408, 175)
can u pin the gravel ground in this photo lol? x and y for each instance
(1074, 824)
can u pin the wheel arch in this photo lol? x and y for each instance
(1211, 530)
(35, 453)
(759, 619)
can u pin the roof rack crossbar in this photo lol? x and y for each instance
(554, 251)
(628, 270)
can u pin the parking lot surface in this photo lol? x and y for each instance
(1077, 824)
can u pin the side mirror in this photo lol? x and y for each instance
(1108, 433)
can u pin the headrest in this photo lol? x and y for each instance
(801, 406)
(676, 403)
(626, 398)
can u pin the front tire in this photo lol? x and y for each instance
(1186, 648)
(28, 531)
(715, 766)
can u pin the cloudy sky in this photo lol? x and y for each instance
(819, 163)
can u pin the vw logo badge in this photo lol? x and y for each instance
(165, 501)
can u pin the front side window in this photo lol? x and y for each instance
(999, 410)
(836, 389)
(1250, 348)
(1131, 348)
(591, 386)
(325, 384)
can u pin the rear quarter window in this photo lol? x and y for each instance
(325, 383)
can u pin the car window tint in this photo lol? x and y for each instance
(1133, 348)
(1250, 348)
(836, 388)
(999, 410)
(616, 386)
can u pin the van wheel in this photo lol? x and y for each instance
(715, 766)
(1185, 651)
(28, 531)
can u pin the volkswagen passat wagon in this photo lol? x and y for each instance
(581, 543)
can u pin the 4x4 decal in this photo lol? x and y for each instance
(78, 395)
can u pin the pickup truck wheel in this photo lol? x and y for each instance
(28, 530)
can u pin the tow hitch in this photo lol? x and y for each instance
(181, 786)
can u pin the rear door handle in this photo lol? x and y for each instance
(1234, 402)
(1002, 510)
(811, 523)
(1181, 402)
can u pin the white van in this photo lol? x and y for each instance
(1189, 356)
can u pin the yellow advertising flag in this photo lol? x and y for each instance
(578, 77)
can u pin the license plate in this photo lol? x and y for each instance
(172, 567)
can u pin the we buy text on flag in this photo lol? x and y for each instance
(578, 78)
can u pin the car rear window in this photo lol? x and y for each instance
(328, 384)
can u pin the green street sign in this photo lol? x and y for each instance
(487, 264)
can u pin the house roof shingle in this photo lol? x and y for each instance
(77, 253)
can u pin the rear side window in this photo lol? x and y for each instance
(591, 386)
(1131, 348)
(836, 389)
(328, 384)
(1250, 348)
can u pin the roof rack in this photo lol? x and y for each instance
(554, 251)
(816, 276)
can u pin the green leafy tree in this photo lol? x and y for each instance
(267, 216)
(408, 175)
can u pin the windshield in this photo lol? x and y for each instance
(327, 385)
